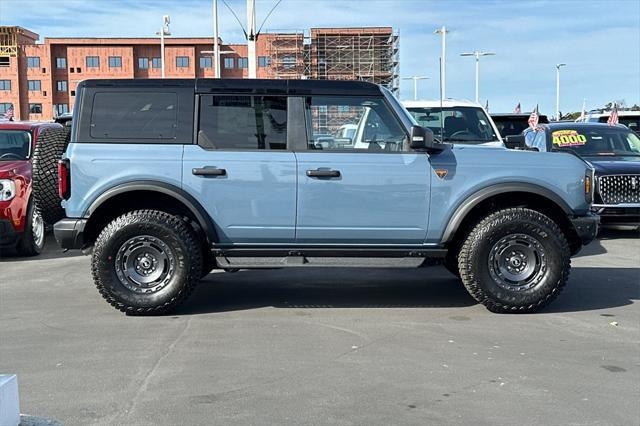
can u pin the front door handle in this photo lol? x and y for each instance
(209, 171)
(323, 173)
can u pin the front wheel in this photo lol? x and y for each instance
(515, 260)
(32, 241)
(146, 262)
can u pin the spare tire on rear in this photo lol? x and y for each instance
(50, 146)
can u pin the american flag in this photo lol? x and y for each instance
(518, 109)
(9, 113)
(613, 118)
(533, 118)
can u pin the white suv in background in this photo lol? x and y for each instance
(464, 122)
(631, 119)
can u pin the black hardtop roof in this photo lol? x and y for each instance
(248, 86)
(513, 115)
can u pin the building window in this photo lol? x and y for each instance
(288, 62)
(33, 62)
(61, 85)
(228, 62)
(5, 84)
(143, 63)
(93, 62)
(5, 62)
(264, 61)
(243, 62)
(205, 62)
(60, 109)
(35, 108)
(61, 63)
(115, 61)
(34, 85)
(4, 107)
(182, 62)
(73, 93)
(156, 62)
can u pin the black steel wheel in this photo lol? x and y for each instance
(146, 262)
(515, 260)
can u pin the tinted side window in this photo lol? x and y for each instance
(372, 126)
(243, 122)
(134, 115)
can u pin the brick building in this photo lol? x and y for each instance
(39, 79)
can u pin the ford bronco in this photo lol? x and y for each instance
(165, 180)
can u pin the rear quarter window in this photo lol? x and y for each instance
(134, 115)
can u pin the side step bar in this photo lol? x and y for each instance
(258, 257)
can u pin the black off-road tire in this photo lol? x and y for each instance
(50, 146)
(181, 246)
(32, 241)
(487, 287)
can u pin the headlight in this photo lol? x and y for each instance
(7, 189)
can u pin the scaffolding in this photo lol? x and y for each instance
(286, 53)
(366, 54)
(11, 38)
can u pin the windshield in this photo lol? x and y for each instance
(14, 145)
(600, 141)
(461, 124)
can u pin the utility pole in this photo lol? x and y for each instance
(415, 79)
(558, 66)
(477, 54)
(216, 45)
(164, 31)
(443, 68)
(251, 37)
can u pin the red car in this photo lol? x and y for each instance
(21, 226)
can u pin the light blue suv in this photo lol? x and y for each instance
(165, 180)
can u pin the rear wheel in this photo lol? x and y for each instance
(32, 241)
(50, 146)
(146, 262)
(515, 260)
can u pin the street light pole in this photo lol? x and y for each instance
(477, 54)
(164, 31)
(443, 68)
(415, 79)
(251, 37)
(216, 46)
(558, 66)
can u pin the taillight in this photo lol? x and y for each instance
(64, 179)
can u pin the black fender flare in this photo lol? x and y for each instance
(485, 193)
(201, 215)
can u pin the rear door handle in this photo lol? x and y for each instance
(209, 171)
(323, 173)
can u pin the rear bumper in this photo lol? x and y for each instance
(586, 227)
(69, 233)
(8, 235)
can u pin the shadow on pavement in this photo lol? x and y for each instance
(327, 288)
(588, 289)
(51, 251)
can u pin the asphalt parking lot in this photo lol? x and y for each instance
(326, 346)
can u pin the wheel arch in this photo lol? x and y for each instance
(507, 195)
(145, 195)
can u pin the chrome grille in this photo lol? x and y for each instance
(619, 189)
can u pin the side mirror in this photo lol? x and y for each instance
(515, 142)
(422, 140)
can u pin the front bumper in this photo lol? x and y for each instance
(622, 214)
(8, 235)
(69, 233)
(586, 227)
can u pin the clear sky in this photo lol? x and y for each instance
(599, 40)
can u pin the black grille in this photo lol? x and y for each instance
(618, 189)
